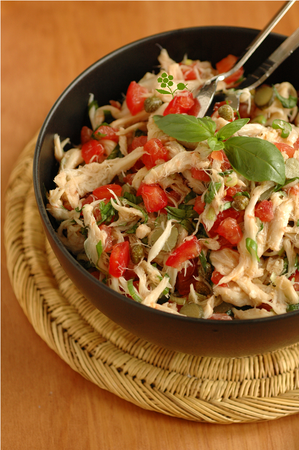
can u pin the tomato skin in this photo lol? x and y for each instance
(180, 104)
(108, 242)
(119, 259)
(108, 131)
(199, 205)
(295, 278)
(231, 191)
(93, 151)
(225, 64)
(85, 134)
(288, 149)
(154, 198)
(138, 141)
(200, 174)
(216, 277)
(232, 79)
(185, 278)
(230, 230)
(104, 191)
(264, 211)
(230, 212)
(154, 151)
(188, 250)
(135, 97)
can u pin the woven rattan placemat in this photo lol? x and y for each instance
(203, 389)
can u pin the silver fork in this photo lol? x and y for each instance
(254, 80)
(207, 92)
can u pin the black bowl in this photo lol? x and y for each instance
(108, 79)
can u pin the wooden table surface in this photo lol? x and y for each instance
(45, 404)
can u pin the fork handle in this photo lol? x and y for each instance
(288, 46)
(258, 39)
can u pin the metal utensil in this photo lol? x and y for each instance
(263, 71)
(207, 92)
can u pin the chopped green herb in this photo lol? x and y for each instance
(99, 248)
(289, 102)
(251, 246)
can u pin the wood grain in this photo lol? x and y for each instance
(45, 404)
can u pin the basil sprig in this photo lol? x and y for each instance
(287, 102)
(254, 158)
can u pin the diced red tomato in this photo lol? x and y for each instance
(119, 259)
(95, 273)
(129, 178)
(108, 242)
(221, 156)
(232, 79)
(231, 191)
(265, 306)
(93, 151)
(225, 64)
(107, 131)
(153, 196)
(115, 104)
(87, 200)
(230, 230)
(180, 104)
(86, 134)
(154, 151)
(217, 277)
(264, 211)
(185, 278)
(194, 110)
(295, 279)
(296, 144)
(217, 155)
(199, 205)
(189, 74)
(173, 197)
(294, 190)
(230, 212)
(282, 147)
(220, 316)
(135, 97)
(138, 141)
(104, 191)
(191, 248)
(200, 174)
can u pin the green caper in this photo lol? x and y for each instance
(137, 253)
(192, 310)
(202, 288)
(226, 112)
(240, 202)
(264, 96)
(151, 104)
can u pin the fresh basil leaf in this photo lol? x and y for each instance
(251, 246)
(215, 144)
(231, 128)
(133, 198)
(213, 188)
(289, 102)
(188, 225)
(244, 193)
(116, 153)
(175, 213)
(99, 248)
(107, 212)
(126, 202)
(189, 197)
(285, 127)
(255, 159)
(203, 260)
(184, 127)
